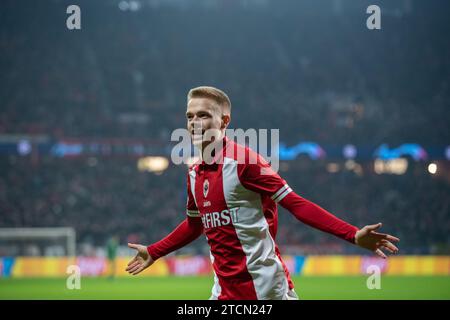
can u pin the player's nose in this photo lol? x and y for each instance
(196, 124)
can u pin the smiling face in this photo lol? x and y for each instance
(205, 114)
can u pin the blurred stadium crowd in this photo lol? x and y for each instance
(315, 72)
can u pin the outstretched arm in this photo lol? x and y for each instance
(186, 232)
(315, 216)
(259, 177)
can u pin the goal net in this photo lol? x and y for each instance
(37, 242)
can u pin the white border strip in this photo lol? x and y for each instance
(193, 213)
(280, 191)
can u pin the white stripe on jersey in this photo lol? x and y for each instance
(216, 289)
(281, 193)
(192, 182)
(253, 233)
(276, 194)
(284, 194)
(193, 213)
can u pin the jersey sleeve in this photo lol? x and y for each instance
(258, 176)
(191, 205)
(319, 218)
(186, 232)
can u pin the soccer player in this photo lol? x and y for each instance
(111, 249)
(233, 201)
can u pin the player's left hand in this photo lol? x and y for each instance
(369, 239)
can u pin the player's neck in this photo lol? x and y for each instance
(210, 149)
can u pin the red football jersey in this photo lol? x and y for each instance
(234, 203)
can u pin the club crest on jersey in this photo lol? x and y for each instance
(205, 188)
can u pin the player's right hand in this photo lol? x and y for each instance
(141, 261)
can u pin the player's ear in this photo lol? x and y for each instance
(226, 118)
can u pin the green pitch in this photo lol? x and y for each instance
(168, 288)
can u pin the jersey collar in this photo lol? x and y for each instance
(218, 158)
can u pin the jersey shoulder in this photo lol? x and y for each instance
(244, 155)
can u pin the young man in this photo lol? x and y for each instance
(232, 199)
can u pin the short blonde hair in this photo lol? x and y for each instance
(213, 93)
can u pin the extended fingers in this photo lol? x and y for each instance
(374, 226)
(134, 268)
(138, 270)
(392, 238)
(132, 261)
(388, 245)
(383, 243)
(380, 253)
(133, 246)
(131, 266)
(385, 236)
(387, 248)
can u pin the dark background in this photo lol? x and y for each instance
(309, 68)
